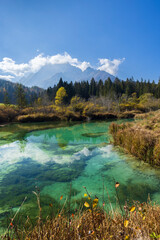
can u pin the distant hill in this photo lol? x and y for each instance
(49, 75)
(9, 87)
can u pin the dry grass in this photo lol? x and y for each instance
(141, 138)
(78, 112)
(38, 117)
(81, 112)
(8, 113)
(139, 226)
(140, 221)
(128, 114)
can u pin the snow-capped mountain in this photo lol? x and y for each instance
(50, 74)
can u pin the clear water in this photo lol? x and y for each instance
(59, 159)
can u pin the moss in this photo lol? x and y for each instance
(94, 135)
(107, 167)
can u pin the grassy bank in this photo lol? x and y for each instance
(141, 138)
(138, 221)
(79, 112)
(142, 223)
(79, 109)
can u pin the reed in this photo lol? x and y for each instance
(137, 221)
(141, 221)
(140, 138)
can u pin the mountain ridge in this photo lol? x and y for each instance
(50, 74)
(10, 87)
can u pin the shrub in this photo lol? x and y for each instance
(38, 117)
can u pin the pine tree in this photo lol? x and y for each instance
(20, 96)
(6, 98)
(92, 88)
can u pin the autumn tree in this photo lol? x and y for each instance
(60, 96)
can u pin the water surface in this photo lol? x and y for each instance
(59, 159)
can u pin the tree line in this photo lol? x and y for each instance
(18, 94)
(14, 93)
(117, 88)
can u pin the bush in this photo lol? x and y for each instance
(8, 114)
(38, 117)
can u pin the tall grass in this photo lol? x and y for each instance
(141, 139)
(139, 221)
(77, 112)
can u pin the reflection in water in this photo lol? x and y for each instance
(50, 159)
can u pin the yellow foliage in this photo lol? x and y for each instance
(132, 209)
(95, 200)
(39, 101)
(126, 222)
(94, 205)
(60, 94)
(75, 100)
(86, 204)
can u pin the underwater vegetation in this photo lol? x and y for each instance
(130, 191)
(93, 135)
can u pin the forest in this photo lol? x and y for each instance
(107, 88)
(78, 101)
(85, 90)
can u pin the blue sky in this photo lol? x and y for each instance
(87, 30)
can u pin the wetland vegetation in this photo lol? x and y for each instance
(63, 172)
(141, 138)
(53, 161)
(80, 101)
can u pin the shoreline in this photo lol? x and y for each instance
(39, 118)
(141, 138)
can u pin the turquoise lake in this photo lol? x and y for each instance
(59, 159)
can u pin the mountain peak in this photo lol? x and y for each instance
(50, 74)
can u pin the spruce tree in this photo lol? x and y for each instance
(20, 96)
(6, 98)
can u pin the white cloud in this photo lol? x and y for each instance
(6, 77)
(110, 66)
(36, 63)
(83, 66)
(8, 65)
